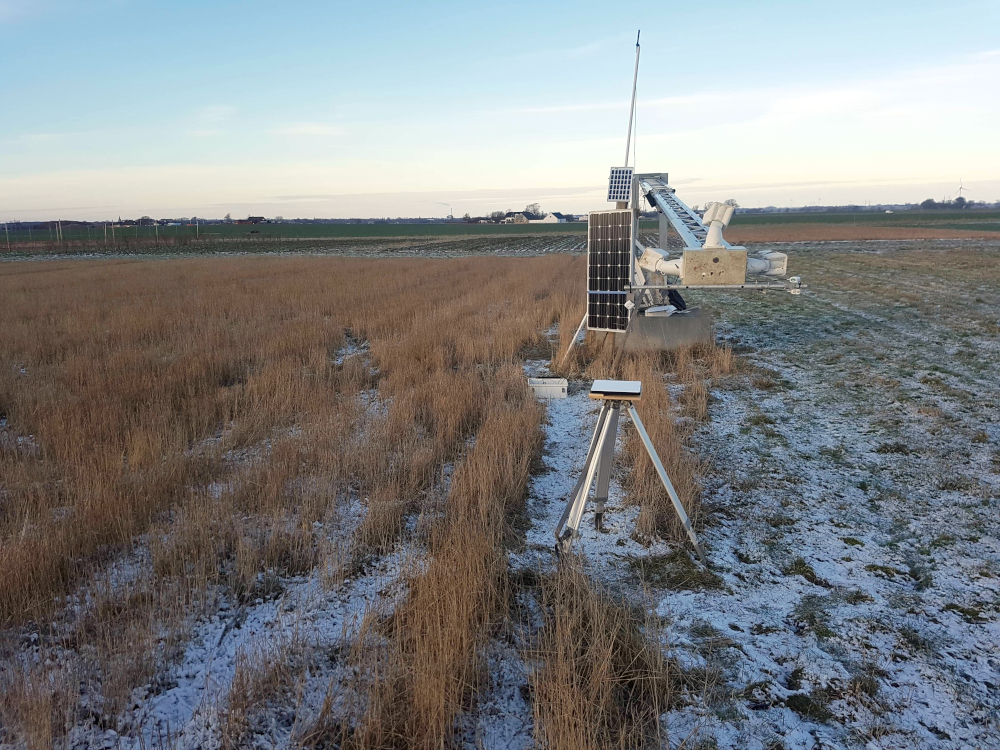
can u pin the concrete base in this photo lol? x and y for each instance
(679, 329)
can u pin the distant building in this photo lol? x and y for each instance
(255, 219)
(547, 219)
(514, 218)
(551, 218)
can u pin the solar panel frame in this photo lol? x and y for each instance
(620, 184)
(610, 259)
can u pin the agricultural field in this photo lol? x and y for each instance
(308, 501)
(289, 232)
(459, 238)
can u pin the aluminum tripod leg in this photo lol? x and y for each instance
(587, 477)
(572, 343)
(605, 458)
(569, 522)
(640, 428)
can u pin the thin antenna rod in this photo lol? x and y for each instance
(631, 110)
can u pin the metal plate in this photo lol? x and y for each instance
(609, 269)
(620, 184)
(612, 389)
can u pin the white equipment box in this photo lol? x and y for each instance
(548, 387)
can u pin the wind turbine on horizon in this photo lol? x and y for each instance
(960, 188)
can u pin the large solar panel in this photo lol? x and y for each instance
(620, 184)
(609, 269)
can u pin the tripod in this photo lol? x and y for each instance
(614, 394)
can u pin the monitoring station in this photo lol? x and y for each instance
(634, 295)
(634, 292)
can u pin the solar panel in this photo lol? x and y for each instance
(620, 184)
(609, 268)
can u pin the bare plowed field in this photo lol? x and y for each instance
(847, 233)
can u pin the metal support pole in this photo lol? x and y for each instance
(658, 465)
(579, 495)
(631, 109)
(605, 459)
(573, 342)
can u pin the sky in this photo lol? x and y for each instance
(334, 110)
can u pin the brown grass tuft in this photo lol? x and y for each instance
(433, 664)
(604, 680)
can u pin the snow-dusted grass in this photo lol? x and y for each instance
(848, 466)
(208, 424)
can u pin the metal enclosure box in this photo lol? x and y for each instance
(718, 265)
(610, 237)
(549, 387)
(663, 334)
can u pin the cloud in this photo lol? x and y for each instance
(206, 132)
(308, 128)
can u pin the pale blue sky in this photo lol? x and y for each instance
(374, 109)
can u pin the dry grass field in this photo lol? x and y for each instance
(458, 240)
(181, 439)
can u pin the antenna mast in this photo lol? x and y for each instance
(631, 111)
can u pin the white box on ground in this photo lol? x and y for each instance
(548, 387)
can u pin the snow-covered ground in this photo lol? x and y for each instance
(853, 525)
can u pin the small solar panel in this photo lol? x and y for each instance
(609, 268)
(620, 184)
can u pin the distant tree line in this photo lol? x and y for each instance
(959, 202)
(533, 211)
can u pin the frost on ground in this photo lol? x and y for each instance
(852, 505)
(856, 493)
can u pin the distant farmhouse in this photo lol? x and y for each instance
(553, 218)
(514, 217)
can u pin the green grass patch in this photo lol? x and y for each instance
(676, 570)
(969, 614)
(780, 519)
(894, 448)
(857, 596)
(809, 706)
(813, 613)
(884, 571)
(799, 567)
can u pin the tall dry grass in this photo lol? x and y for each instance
(177, 430)
(434, 663)
(603, 680)
(194, 412)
